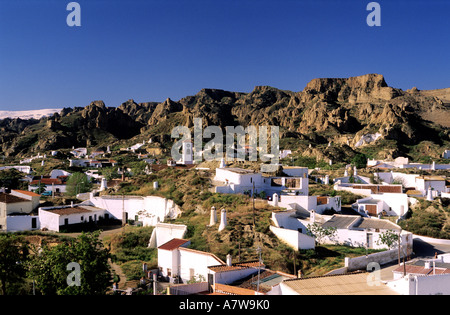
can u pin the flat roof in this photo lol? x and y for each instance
(238, 170)
(374, 223)
(341, 221)
(72, 210)
(347, 284)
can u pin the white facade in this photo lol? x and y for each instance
(185, 263)
(308, 203)
(149, 209)
(446, 154)
(57, 173)
(238, 181)
(20, 168)
(388, 204)
(164, 232)
(422, 285)
(18, 223)
(436, 183)
(51, 219)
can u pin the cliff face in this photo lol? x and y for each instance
(340, 111)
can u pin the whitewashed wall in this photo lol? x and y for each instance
(293, 238)
(21, 223)
(195, 260)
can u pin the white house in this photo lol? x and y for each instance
(386, 204)
(150, 210)
(176, 262)
(239, 180)
(423, 277)
(57, 173)
(359, 231)
(446, 154)
(435, 183)
(164, 232)
(79, 152)
(16, 211)
(55, 185)
(21, 168)
(56, 218)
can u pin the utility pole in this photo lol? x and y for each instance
(253, 196)
(258, 250)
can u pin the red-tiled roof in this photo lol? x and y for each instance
(28, 193)
(173, 244)
(47, 181)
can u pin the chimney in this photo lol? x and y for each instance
(223, 219)
(275, 200)
(155, 185)
(429, 194)
(229, 260)
(312, 216)
(103, 184)
(355, 171)
(427, 265)
(213, 219)
(71, 204)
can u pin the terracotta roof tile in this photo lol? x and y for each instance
(173, 244)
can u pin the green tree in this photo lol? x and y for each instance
(13, 257)
(360, 160)
(319, 232)
(78, 183)
(41, 188)
(50, 268)
(388, 238)
(11, 178)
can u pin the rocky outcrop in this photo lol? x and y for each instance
(341, 111)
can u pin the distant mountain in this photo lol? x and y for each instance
(28, 114)
(331, 118)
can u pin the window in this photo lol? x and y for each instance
(66, 221)
(33, 223)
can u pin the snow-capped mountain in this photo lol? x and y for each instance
(28, 114)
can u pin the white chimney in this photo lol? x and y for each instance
(229, 260)
(275, 200)
(222, 163)
(427, 265)
(312, 216)
(223, 219)
(103, 184)
(213, 219)
(71, 204)
(327, 179)
(155, 185)
(429, 194)
(345, 173)
(355, 171)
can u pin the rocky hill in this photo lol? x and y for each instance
(330, 118)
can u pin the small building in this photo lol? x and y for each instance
(180, 264)
(54, 185)
(16, 211)
(57, 218)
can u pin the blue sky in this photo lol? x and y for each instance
(150, 50)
